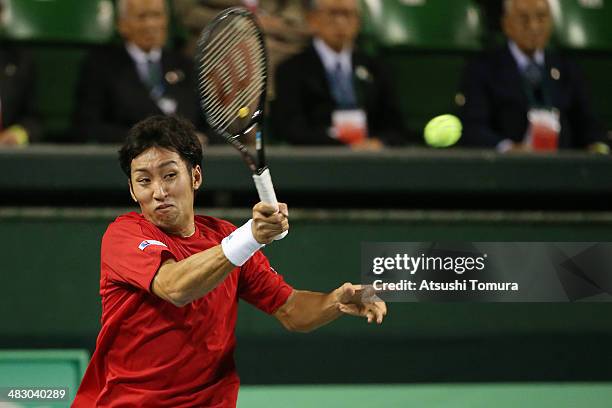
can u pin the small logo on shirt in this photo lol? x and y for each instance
(148, 242)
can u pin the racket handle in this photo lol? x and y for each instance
(265, 189)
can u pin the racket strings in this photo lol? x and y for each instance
(222, 111)
(220, 114)
(220, 43)
(218, 107)
(228, 81)
(232, 72)
(217, 51)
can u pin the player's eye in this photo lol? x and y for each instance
(170, 176)
(143, 181)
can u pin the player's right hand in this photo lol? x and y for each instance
(268, 222)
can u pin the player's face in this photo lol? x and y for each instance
(164, 187)
(145, 23)
(336, 22)
(529, 24)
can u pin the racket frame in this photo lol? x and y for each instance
(257, 164)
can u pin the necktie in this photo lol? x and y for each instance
(154, 78)
(533, 74)
(342, 88)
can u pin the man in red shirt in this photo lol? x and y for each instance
(170, 283)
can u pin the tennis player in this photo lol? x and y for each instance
(170, 283)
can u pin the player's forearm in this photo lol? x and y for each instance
(183, 282)
(306, 311)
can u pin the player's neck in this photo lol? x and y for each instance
(188, 231)
(184, 229)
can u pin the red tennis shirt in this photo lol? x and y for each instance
(150, 353)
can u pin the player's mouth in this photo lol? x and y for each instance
(163, 207)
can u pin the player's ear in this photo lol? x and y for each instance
(132, 191)
(196, 177)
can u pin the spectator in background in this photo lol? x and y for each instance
(122, 85)
(283, 22)
(18, 119)
(501, 87)
(331, 94)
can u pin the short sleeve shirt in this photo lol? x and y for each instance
(152, 353)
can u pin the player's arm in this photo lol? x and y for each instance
(180, 283)
(306, 311)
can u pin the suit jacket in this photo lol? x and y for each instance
(17, 92)
(302, 110)
(496, 103)
(111, 98)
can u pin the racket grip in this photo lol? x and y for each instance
(265, 189)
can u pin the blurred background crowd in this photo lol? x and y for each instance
(86, 72)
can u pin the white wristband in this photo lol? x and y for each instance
(240, 245)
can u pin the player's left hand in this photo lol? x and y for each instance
(355, 300)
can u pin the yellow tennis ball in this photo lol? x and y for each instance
(243, 112)
(443, 131)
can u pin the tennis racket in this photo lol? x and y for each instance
(231, 64)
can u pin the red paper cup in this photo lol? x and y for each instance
(351, 134)
(544, 138)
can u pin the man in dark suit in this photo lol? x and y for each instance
(329, 76)
(501, 87)
(122, 85)
(19, 123)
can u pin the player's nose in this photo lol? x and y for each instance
(159, 192)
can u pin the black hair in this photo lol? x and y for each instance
(168, 132)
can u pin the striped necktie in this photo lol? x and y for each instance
(342, 88)
(534, 76)
(154, 78)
